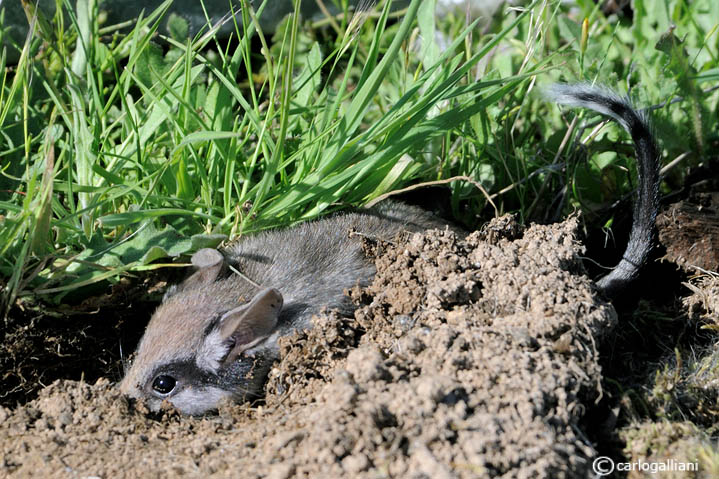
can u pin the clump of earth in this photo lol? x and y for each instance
(466, 357)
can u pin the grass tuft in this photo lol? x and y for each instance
(118, 140)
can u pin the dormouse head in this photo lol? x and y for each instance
(205, 342)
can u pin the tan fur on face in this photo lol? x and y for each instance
(310, 266)
(175, 332)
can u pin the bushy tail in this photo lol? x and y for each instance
(646, 204)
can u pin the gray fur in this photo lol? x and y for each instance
(311, 265)
(215, 335)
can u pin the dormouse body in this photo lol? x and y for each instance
(215, 336)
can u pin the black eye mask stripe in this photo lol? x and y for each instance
(187, 373)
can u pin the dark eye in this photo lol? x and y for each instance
(164, 384)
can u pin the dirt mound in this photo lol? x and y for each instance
(465, 358)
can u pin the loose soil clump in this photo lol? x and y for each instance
(689, 231)
(465, 358)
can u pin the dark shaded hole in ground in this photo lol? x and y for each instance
(42, 343)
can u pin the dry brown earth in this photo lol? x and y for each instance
(470, 357)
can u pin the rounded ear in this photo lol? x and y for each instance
(247, 325)
(209, 264)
